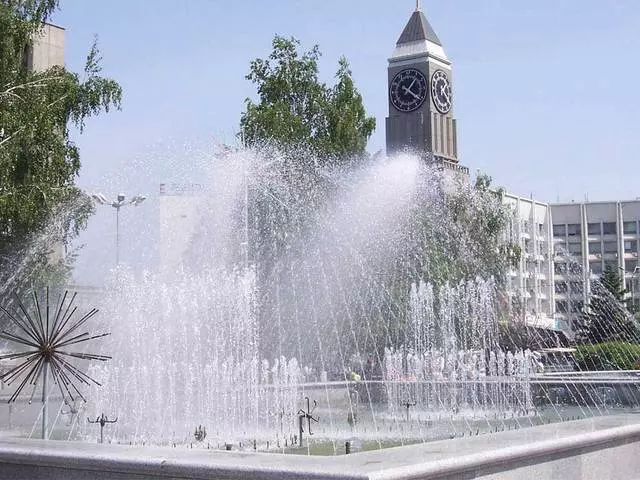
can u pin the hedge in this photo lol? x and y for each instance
(608, 356)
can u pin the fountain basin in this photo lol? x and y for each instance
(596, 448)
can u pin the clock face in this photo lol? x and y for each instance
(441, 91)
(408, 90)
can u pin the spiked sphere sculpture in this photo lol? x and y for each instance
(46, 341)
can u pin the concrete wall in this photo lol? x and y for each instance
(48, 48)
(599, 448)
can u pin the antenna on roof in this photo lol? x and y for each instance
(418, 5)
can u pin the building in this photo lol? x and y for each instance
(420, 96)
(179, 214)
(588, 238)
(530, 283)
(565, 246)
(47, 49)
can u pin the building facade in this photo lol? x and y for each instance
(47, 49)
(421, 116)
(588, 238)
(179, 216)
(530, 283)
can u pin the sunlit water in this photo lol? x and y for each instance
(296, 284)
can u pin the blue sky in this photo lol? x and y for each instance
(545, 92)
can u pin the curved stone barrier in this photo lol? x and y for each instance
(598, 448)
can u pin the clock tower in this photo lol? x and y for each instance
(420, 96)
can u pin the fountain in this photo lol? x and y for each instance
(294, 288)
(321, 283)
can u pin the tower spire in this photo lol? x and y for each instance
(418, 28)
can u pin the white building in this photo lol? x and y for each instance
(47, 49)
(597, 235)
(530, 284)
(179, 207)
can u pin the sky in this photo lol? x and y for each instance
(545, 92)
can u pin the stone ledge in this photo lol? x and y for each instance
(469, 457)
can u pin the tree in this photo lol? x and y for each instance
(607, 318)
(295, 110)
(40, 205)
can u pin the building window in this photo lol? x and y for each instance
(576, 307)
(575, 248)
(573, 230)
(560, 268)
(609, 228)
(561, 287)
(560, 248)
(595, 247)
(630, 227)
(611, 266)
(610, 247)
(631, 246)
(541, 229)
(576, 288)
(561, 306)
(594, 228)
(575, 268)
(596, 268)
(559, 230)
(628, 284)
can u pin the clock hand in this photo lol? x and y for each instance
(443, 91)
(412, 84)
(406, 90)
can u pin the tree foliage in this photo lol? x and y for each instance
(38, 160)
(473, 242)
(607, 318)
(608, 356)
(295, 109)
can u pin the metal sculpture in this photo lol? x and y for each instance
(200, 433)
(102, 420)
(308, 415)
(47, 340)
(408, 406)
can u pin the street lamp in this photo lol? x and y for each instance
(634, 276)
(118, 203)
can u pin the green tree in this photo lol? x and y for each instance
(607, 318)
(296, 110)
(40, 206)
(473, 242)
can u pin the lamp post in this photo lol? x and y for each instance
(634, 276)
(118, 203)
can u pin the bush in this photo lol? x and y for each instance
(608, 356)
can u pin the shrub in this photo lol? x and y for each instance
(608, 356)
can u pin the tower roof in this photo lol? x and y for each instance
(418, 29)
